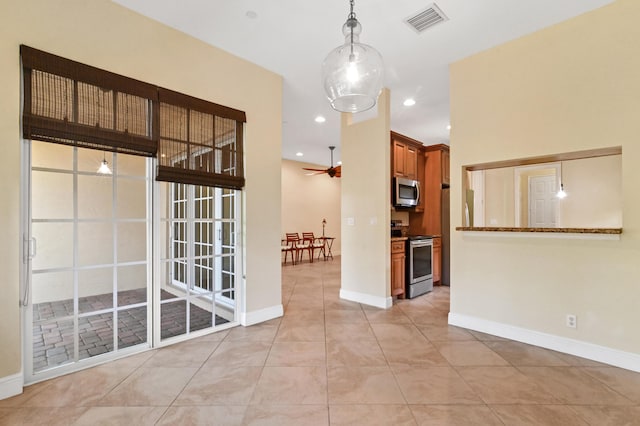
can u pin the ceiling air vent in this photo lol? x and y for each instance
(426, 18)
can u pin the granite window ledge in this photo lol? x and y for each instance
(579, 233)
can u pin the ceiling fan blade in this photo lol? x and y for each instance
(315, 170)
(316, 173)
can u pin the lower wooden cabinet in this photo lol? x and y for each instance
(397, 268)
(437, 259)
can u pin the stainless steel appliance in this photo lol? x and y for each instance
(420, 265)
(406, 192)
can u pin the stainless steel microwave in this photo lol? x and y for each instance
(406, 192)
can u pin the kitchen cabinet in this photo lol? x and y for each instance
(397, 268)
(407, 162)
(437, 260)
(444, 160)
(434, 219)
(436, 170)
(405, 156)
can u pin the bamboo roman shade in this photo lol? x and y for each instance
(195, 141)
(200, 142)
(75, 104)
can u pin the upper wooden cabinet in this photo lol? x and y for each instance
(406, 152)
(436, 171)
(437, 164)
(445, 166)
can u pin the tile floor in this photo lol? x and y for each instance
(329, 361)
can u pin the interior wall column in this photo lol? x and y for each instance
(366, 212)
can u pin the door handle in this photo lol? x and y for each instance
(33, 245)
(30, 253)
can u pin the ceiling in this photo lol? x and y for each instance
(292, 38)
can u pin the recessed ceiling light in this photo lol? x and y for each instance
(320, 119)
(251, 14)
(409, 102)
(299, 154)
(448, 126)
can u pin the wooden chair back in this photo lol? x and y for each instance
(293, 237)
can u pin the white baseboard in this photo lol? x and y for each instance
(615, 357)
(262, 315)
(11, 385)
(367, 299)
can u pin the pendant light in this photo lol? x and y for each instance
(561, 194)
(352, 74)
(104, 166)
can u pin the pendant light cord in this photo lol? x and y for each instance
(352, 19)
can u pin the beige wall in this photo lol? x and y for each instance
(306, 200)
(499, 205)
(594, 193)
(105, 35)
(571, 87)
(366, 258)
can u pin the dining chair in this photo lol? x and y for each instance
(290, 245)
(310, 245)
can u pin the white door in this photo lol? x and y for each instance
(543, 202)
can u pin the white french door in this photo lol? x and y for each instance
(197, 258)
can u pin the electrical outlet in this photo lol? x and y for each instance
(572, 321)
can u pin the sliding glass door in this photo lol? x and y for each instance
(89, 241)
(87, 255)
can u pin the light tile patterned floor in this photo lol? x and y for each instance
(328, 361)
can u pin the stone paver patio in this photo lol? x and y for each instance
(53, 340)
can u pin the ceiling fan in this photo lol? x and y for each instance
(331, 171)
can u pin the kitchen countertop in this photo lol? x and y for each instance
(394, 239)
(610, 231)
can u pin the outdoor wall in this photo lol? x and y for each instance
(306, 200)
(105, 35)
(571, 87)
(52, 195)
(366, 213)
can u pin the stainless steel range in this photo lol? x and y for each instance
(420, 265)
